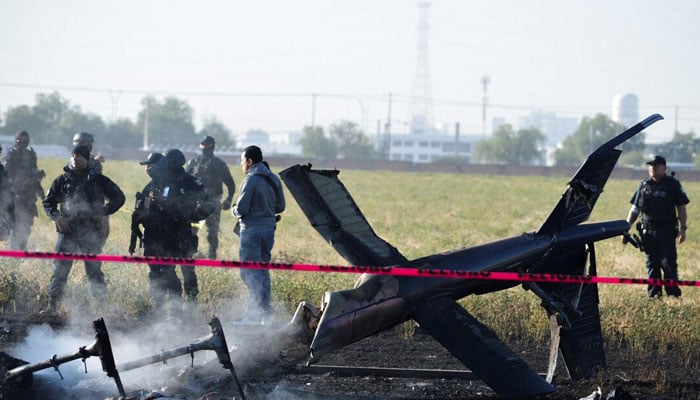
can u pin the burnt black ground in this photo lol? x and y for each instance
(650, 378)
(647, 377)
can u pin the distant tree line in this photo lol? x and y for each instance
(511, 148)
(524, 147)
(54, 120)
(345, 140)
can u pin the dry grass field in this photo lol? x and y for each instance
(420, 214)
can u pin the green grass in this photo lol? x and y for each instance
(420, 214)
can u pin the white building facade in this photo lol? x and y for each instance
(430, 147)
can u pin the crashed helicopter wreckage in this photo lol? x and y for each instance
(562, 245)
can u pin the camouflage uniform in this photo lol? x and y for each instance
(25, 178)
(7, 214)
(213, 173)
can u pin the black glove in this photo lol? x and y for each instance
(226, 204)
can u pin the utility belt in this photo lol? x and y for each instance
(651, 226)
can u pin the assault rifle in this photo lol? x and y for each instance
(136, 233)
(635, 239)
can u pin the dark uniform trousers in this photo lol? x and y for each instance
(82, 241)
(212, 222)
(163, 281)
(660, 248)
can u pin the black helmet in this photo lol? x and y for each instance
(207, 141)
(22, 134)
(175, 158)
(22, 138)
(151, 159)
(83, 138)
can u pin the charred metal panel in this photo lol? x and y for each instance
(334, 214)
(581, 344)
(578, 200)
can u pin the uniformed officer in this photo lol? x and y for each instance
(94, 166)
(171, 201)
(214, 173)
(25, 178)
(661, 201)
(7, 214)
(77, 202)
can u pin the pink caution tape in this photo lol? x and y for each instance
(393, 270)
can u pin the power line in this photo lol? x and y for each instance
(397, 98)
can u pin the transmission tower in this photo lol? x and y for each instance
(485, 80)
(421, 106)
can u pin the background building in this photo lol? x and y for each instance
(625, 110)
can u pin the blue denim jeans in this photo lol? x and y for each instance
(256, 245)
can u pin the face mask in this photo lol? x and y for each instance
(151, 171)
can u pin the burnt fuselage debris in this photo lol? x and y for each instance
(101, 348)
(216, 341)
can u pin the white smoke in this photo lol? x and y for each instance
(183, 376)
(42, 343)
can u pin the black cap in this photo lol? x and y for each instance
(657, 160)
(207, 141)
(152, 159)
(175, 158)
(81, 150)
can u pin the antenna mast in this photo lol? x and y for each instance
(421, 107)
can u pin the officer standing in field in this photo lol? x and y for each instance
(7, 204)
(214, 173)
(167, 207)
(158, 236)
(94, 166)
(78, 202)
(661, 201)
(25, 178)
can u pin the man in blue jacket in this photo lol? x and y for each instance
(260, 200)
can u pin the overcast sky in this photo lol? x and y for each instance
(255, 63)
